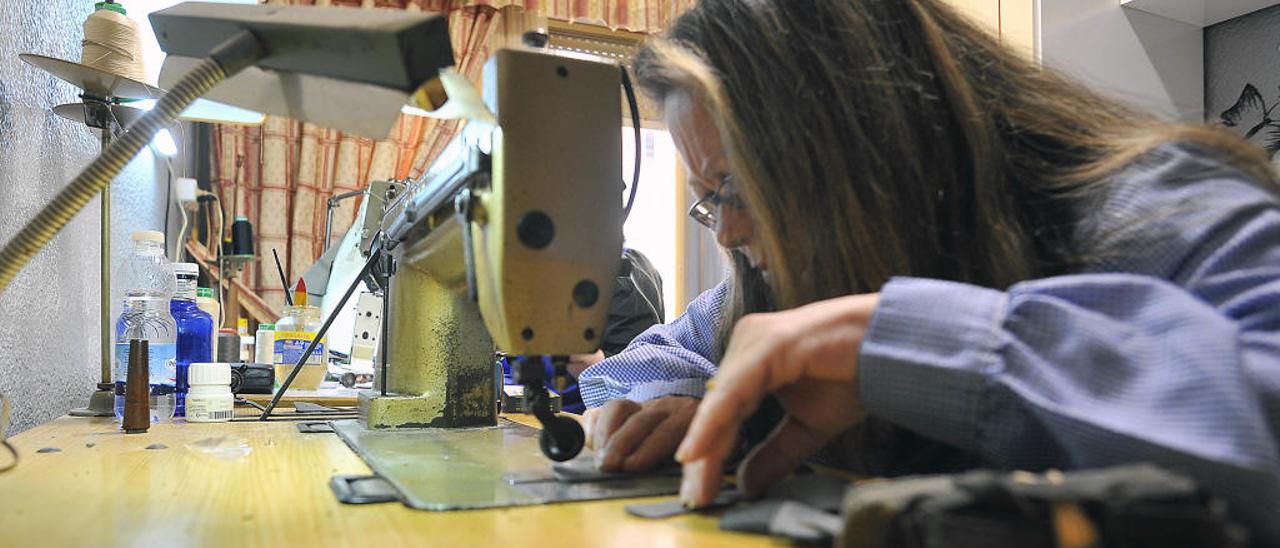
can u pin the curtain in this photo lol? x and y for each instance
(280, 175)
(647, 16)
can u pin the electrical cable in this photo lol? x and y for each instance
(4, 427)
(13, 451)
(237, 53)
(177, 249)
(168, 205)
(635, 125)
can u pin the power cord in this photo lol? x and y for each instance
(4, 427)
(635, 125)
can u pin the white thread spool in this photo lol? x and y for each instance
(113, 44)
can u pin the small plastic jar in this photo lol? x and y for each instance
(210, 399)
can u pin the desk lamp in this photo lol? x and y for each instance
(316, 56)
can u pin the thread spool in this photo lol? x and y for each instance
(241, 237)
(112, 42)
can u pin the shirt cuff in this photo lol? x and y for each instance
(927, 355)
(596, 392)
(680, 387)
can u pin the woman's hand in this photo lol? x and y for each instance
(807, 357)
(636, 437)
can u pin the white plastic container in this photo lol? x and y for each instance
(205, 302)
(265, 343)
(210, 399)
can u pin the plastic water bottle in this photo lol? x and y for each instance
(195, 330)
(148, 278)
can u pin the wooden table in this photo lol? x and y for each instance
(106, 489)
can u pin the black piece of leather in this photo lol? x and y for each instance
(363, 489)
(315, 428)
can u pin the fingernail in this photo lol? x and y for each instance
(600, 455)
(686, 492)
(681, 452)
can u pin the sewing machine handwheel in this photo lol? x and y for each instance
(561, 439)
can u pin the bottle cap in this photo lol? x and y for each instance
(206, 292)
(110, 6)
(148, 235)
(186, 268)
(266, 327)
(217, 374)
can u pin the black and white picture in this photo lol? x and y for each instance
(1242, 77)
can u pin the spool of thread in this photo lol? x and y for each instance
(241, 237)
(112, 42)
(228, 346)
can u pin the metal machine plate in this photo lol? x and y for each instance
(458, 469)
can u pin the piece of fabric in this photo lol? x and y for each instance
(1165, 349)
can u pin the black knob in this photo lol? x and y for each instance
(586, 293)
(536, 230)
(562, 439)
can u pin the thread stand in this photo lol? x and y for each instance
(100, 110)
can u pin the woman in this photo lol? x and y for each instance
(946, 240)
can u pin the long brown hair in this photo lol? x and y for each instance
(877, 138)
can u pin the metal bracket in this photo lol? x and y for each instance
(363, 489)
(463, 209)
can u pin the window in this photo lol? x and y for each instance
(652, 227)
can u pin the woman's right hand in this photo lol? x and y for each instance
(635, 437)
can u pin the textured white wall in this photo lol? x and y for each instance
(1150, 61)
(49, 314)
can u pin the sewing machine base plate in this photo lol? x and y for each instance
(439, 469)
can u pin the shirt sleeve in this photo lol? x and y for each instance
(673, 359)
(1099, 369)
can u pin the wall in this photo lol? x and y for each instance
(49, 314)
(1150, 61)
(1241, 52)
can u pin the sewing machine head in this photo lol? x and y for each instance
(511, 241)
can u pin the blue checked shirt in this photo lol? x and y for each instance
(1165, 349)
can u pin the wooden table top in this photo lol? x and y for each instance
(105, 488)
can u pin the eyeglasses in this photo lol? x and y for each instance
(707, 209)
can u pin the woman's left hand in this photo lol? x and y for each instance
(807, 357)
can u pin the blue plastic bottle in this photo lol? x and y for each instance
(195, 330)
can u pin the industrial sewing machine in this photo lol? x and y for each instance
(509, 242)
(513, 248)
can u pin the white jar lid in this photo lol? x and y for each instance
(148, 235)
(216, 374)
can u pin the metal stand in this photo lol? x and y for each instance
(101, 110)
(98, 113)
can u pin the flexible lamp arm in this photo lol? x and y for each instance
(233, 55)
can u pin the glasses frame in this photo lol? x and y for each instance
(706, 210)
